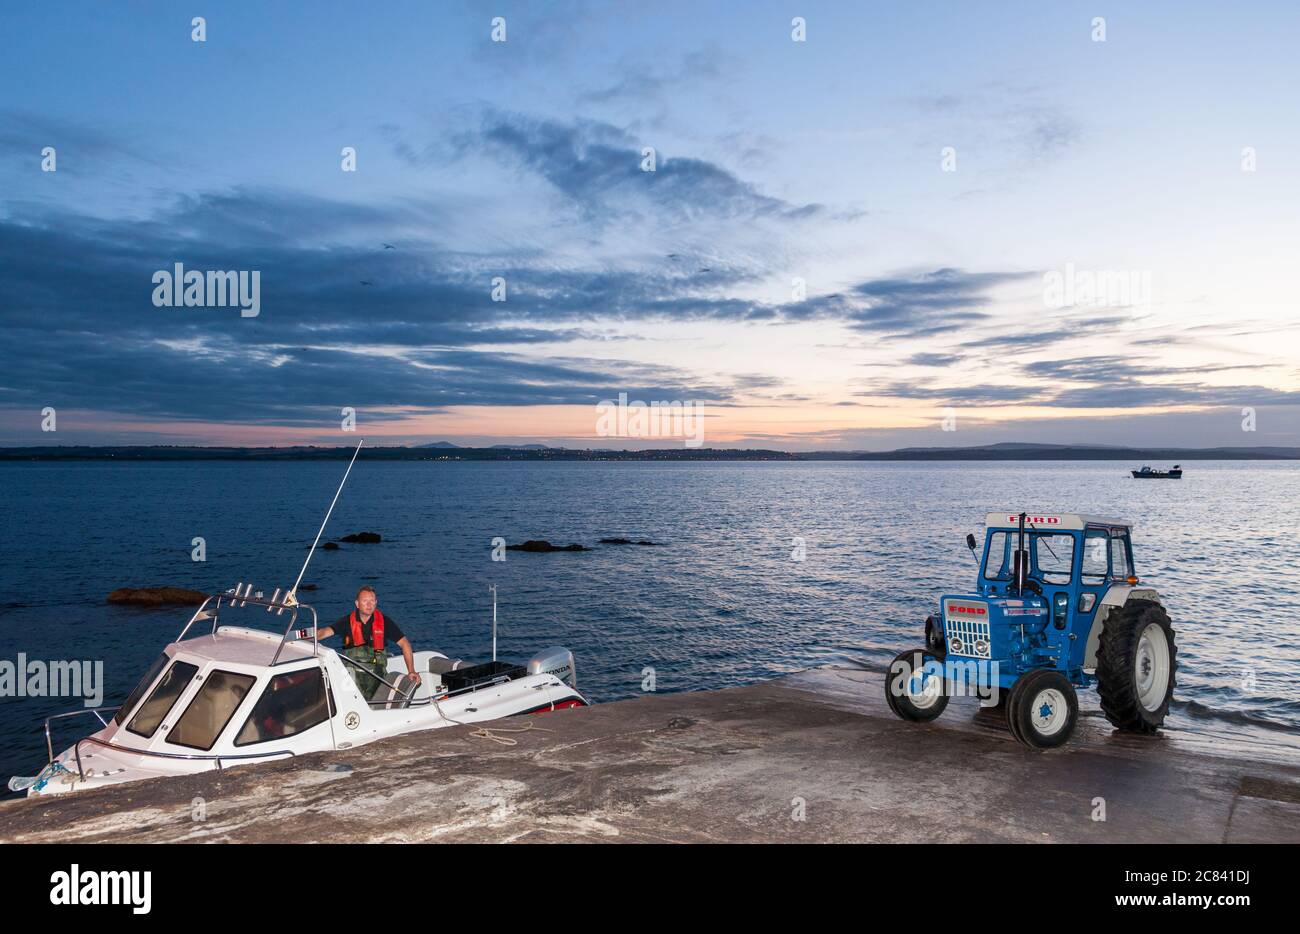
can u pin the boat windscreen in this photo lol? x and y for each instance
(138, 692)
(163, 698)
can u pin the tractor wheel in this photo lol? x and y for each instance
(1136, 662)
(1042, 709)
(1009, 699)
(911, 692)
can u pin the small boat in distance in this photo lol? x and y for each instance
(1147, 473)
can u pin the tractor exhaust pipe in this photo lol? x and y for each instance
(1020, 565)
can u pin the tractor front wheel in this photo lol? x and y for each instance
(1136, 661)
(914, 687)
(1042, 709)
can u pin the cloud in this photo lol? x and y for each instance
(979, 394)
(943, 301)
(78, 303)
(352, 323)
(1026, 339)
(1095, 382)
(641, 81)
(597, 167)
(935, 359)
(23, 135)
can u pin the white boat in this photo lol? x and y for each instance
(240, 695)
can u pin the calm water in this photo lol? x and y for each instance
(721, 603)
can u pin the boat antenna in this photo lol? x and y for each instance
(291, 598)
(493, 588)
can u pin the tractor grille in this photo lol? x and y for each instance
(966, 629)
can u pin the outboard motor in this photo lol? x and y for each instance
(558, 661)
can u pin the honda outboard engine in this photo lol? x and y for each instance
(558, 661)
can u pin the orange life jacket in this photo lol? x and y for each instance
(376, 630)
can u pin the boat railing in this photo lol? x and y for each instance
(242, 595)
(97, 711)
(217, 758)
(411, 700)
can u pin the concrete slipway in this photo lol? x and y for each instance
(740, 764)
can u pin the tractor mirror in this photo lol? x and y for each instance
(970, 541)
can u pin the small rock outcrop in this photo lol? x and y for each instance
(543, 545)
(628, 541)
(156, 596)
(363, 538)
(330, 546)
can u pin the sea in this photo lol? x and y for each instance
(757, 569)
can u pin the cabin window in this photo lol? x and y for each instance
(997, 566)
(1096, 556)
(163, 698)
(1054, 557)
(211, 709)
(134, 697)
(291, 703)
(1119, 559)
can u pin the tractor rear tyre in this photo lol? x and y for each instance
(1136, 662)
(911, 691)
(1042, 709)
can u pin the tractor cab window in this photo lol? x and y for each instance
(1096, 556)
(1119, 563)
(997, 565)
(1053, 554)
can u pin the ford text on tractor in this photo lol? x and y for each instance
(1056, 607)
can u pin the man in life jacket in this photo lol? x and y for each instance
(365, 632)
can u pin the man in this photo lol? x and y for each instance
(365, 632)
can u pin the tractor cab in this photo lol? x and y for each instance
(1037, 590)
(1070, 563)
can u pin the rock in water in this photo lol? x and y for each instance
(156, 596)
(543, 545)
(330, 546)
(363, 538)
(628, 541)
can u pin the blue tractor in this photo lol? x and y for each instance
(1056, 607)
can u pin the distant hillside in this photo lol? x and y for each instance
(1022, 452)
(443, 450)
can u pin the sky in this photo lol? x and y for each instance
(868, 225)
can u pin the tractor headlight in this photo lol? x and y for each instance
(1086, 602)
(956, 645)
(981, 648)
